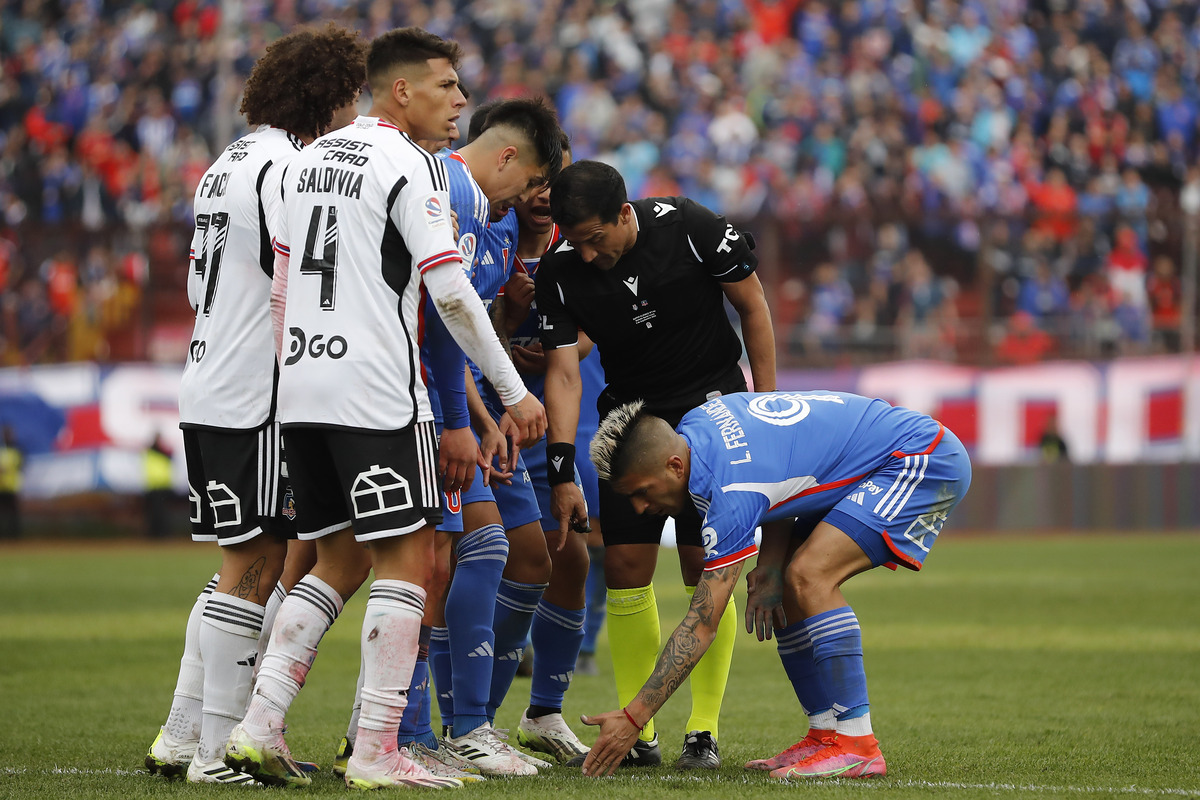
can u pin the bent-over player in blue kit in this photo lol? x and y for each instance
(840, 484)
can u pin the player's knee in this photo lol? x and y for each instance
(528, 562)
(571, 564)
(625, 569)
(806, 582)
(439, 574)
(487, 543)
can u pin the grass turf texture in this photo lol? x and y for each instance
(1011, 667)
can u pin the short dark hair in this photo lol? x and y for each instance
(479, 119)
(407, 47)
(587, 189)
(303, 78)
(533, 119)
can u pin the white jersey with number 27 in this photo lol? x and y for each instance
(229, 378)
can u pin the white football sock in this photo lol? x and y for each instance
(264, 638)
(183, 721)
(391, 630)
(356, 709)
(309, 610)
(229, 647)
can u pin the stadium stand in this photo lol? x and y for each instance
(916, 173)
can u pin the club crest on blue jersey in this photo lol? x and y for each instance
(466, 247)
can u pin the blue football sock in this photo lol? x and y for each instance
(411, 726)
(557, 634)
(418, 696)
(440, 669)
(597, 600)
(481, 557)
(837, 650)
(515, 604)
(796, 653)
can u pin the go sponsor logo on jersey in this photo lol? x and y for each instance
(316, 347)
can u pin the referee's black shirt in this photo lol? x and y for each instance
(658, 315)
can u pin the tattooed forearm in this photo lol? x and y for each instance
(248, 585)
(693, 636)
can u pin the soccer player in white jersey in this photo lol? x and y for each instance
(228, 392)
(840, 484)
(367, 214)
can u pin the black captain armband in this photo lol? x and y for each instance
(560, 463)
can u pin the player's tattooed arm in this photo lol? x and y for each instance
(248, 585)
(691, 639)
(619, 729)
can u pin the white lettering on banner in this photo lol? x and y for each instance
(1074, 386)
(921, 386)
(60, 385)
(138, 403)
(1104, 412)
(1130, 385)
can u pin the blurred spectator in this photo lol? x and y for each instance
(1165, 291)
(1044, 297)
(11, 464)
(1051, 444)
(156, 464)
(1055, 205)
(820, 122)
(1024, 342)
(831, 303)
(1127, 268)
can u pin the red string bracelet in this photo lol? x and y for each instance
(632, 721)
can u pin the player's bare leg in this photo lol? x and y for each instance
(256, 745)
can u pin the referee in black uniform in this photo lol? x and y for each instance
(646, 281)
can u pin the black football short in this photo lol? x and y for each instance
(384, 483)
(237, 485)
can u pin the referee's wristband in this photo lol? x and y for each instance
(560, 463)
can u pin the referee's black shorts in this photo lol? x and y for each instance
(619, 523)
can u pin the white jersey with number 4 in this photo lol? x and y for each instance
(366, 212)
(229, 378)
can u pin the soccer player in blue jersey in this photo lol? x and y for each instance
(517, 154)
(840, 484)
(556, 630)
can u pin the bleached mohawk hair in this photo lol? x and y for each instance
(610, 438)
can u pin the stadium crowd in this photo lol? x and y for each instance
(917, 170)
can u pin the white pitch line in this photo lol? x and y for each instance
(884, 784)
(874, 784)
(1025, 787)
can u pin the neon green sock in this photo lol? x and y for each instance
(711, 674)
(634, 638)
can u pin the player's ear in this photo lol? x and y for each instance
(675, 465)
(400, 91)
(507, 155)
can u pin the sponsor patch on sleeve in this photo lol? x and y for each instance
(435, 213)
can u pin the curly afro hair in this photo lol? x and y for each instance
(303, 78)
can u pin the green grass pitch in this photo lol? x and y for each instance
(1011, 667)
